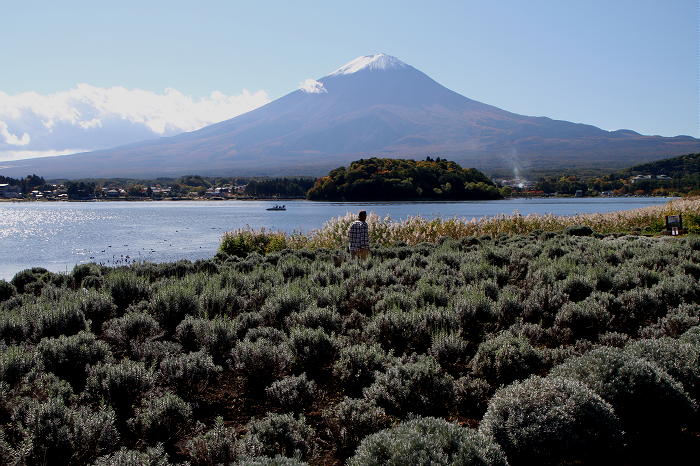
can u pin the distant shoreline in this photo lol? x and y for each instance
(157, 200)
(281, 199)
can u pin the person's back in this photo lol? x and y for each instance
(358, 236)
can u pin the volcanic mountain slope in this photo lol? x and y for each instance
(375, 105)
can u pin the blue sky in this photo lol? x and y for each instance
(615, 64)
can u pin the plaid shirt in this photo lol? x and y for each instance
(358, 234)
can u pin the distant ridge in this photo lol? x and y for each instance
(375, 105)
(684, 165)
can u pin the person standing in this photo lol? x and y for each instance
(358, 236)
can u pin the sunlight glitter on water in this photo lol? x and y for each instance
(42, 223)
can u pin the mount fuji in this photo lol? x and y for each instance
(375, 105)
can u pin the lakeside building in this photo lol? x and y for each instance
(636, 178)
(160, 191)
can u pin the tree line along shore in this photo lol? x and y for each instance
(376, 179)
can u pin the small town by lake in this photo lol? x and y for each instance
(58, 236)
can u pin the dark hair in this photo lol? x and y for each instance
(362, 215)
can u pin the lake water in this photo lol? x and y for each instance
(58, 235)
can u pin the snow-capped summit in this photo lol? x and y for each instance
(379, 61)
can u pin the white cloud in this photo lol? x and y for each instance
(311, 86)
(12, 139)
(92, 117)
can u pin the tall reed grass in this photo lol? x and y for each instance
(385, 231)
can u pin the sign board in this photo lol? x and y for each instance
(674, 225)
(674, 221)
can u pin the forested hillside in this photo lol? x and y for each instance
(378, 179)
(682, 166)
(673, 176)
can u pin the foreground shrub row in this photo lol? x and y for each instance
(546, 348)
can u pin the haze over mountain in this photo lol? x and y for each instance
(375, 105)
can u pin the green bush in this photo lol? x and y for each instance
(151, 353)
(351, 420)
(637, 308)
(260, 361)
(80, 272)
(155, 456)
(67, 436)
(69, 357)
(326, 319)
(126, 288)
(119, 385)
(217, 302)
(471, 396)
(278, 434)
(357, 364)
(284, 302)
(267, 461)
(15, 363)
(553, 421)
(505, 358)
(584, 319)
(613, 339)
(215, 446)
(577, 287)
(33, 321)
(419, 387)
(24, 280)
(64, 319)
(646, 398)
(162, 419)
(242, 242)
(311, 349)
(216, 336)
(680, 360)
(97, 307)
(92, 282)
(270, 334)
(578, 230)
(406, 332)
(397, 330)
(292, 267)
(7, 290)
(475, 313)
(395, 301)
(678, 289)
(48, 427)
(247, 321)
(37, 386)
(451, 351)
(674, 324)
(293, 393)
(94, 433)
(171, 303)
(428, 441)
(188, 373)
(131, 330)
(692, 335)
(509, 307)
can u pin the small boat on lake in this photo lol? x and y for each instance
(277, 207)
